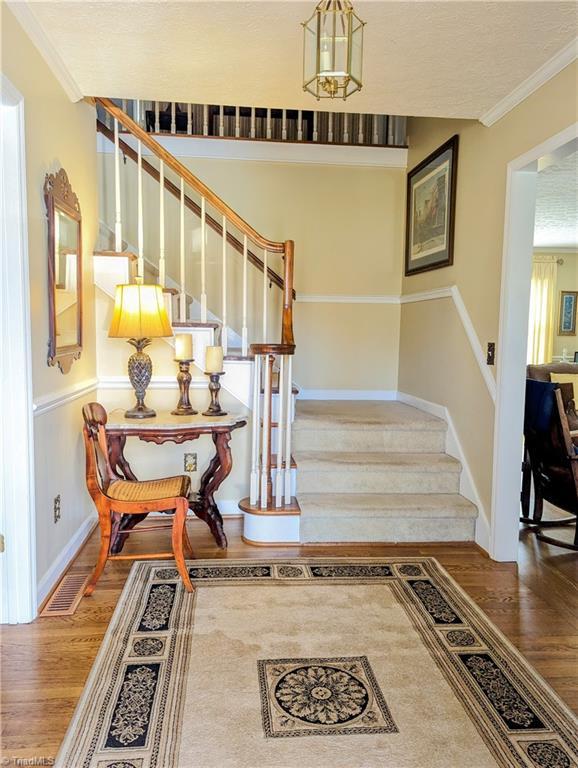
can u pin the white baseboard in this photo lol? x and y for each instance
(63, 560)
(454, 448)
(347, 394)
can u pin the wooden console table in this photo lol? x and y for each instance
(165, 428)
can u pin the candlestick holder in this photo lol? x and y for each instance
(184, 407)
(214, 408)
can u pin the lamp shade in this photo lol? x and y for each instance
(139, 312)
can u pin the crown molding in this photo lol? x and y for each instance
(25, 15)
(546, 72)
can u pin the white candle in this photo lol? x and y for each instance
(214, 360)
(183, 346)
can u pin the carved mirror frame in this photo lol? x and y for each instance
(59, 196)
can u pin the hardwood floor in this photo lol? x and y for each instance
(45, 664)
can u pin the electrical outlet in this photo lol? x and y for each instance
(56, 508)
(190, 462)
(491, 353)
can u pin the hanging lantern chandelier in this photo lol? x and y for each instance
(333, 50)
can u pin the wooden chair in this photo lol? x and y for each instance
(552, 457)
(114, 497)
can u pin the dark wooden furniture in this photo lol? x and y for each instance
(541, 373)
(116, 499)
(551, 457)
(164, 428)
(64, 271)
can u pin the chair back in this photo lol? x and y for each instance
(549, 444)
(99, 473)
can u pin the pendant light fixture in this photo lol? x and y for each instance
(333, 50)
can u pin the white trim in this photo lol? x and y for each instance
(271, 151)
(526, 88)
(64, 558)
(514, 304)
(347, 394)
(28, 21)
(559, 249)
(431, 295)
(157, 382)
(453, 292)
(54, 400)
(311, 298)
(454, 448)
(271, 529)
(17, 489)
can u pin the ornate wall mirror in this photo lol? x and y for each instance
(64, 271)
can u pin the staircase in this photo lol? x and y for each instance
(377, 471)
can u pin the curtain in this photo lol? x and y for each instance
(542, 310)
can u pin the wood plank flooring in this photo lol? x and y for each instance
(45, 664)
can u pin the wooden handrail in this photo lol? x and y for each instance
(234, 242)
(189, 178)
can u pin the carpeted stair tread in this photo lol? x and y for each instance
(369, 414)
(362, 461)
(386, 505)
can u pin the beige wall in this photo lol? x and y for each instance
(58, 133)
(347, 224)
(427, 328)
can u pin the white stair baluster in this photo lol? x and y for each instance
(375, 131)
(279, 476)
(360, 132)
(345, 128)
(137, 112)
(284, 125)
(288, 420)
(162, 269)
(252, 122)
(330, 127)
(205, 119)
(315, 132)
(268, 123)
(189, 120)
(266, 422)
(157, 118)
(203, 261)
(123, 105)
(299, 126)
(256, 433)
(173, 117)
(183, 292)
(117, 201)
(224, 334)
(244, 332)
(237, 123)
(265, 293)
(221, 121)
(140, 261)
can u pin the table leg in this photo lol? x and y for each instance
(218, 469)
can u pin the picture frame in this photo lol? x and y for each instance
(567, 317)
(430, 212)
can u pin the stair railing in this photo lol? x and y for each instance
(272, 406)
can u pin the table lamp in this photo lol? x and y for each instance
(139, 316)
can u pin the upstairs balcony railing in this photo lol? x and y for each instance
(262, 124)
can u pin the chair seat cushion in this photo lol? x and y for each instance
(149, 490)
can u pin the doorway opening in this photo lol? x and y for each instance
(517, 267)
(17, 510)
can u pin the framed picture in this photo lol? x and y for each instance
(431, 202)
(567, 322)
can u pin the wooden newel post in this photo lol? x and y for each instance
(287, 329)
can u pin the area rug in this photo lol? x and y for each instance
(324, 663)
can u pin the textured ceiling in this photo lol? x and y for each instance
(557, 205)
(446, 59)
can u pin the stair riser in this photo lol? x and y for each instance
(389, 530)
(396, 441)
(384, 481)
